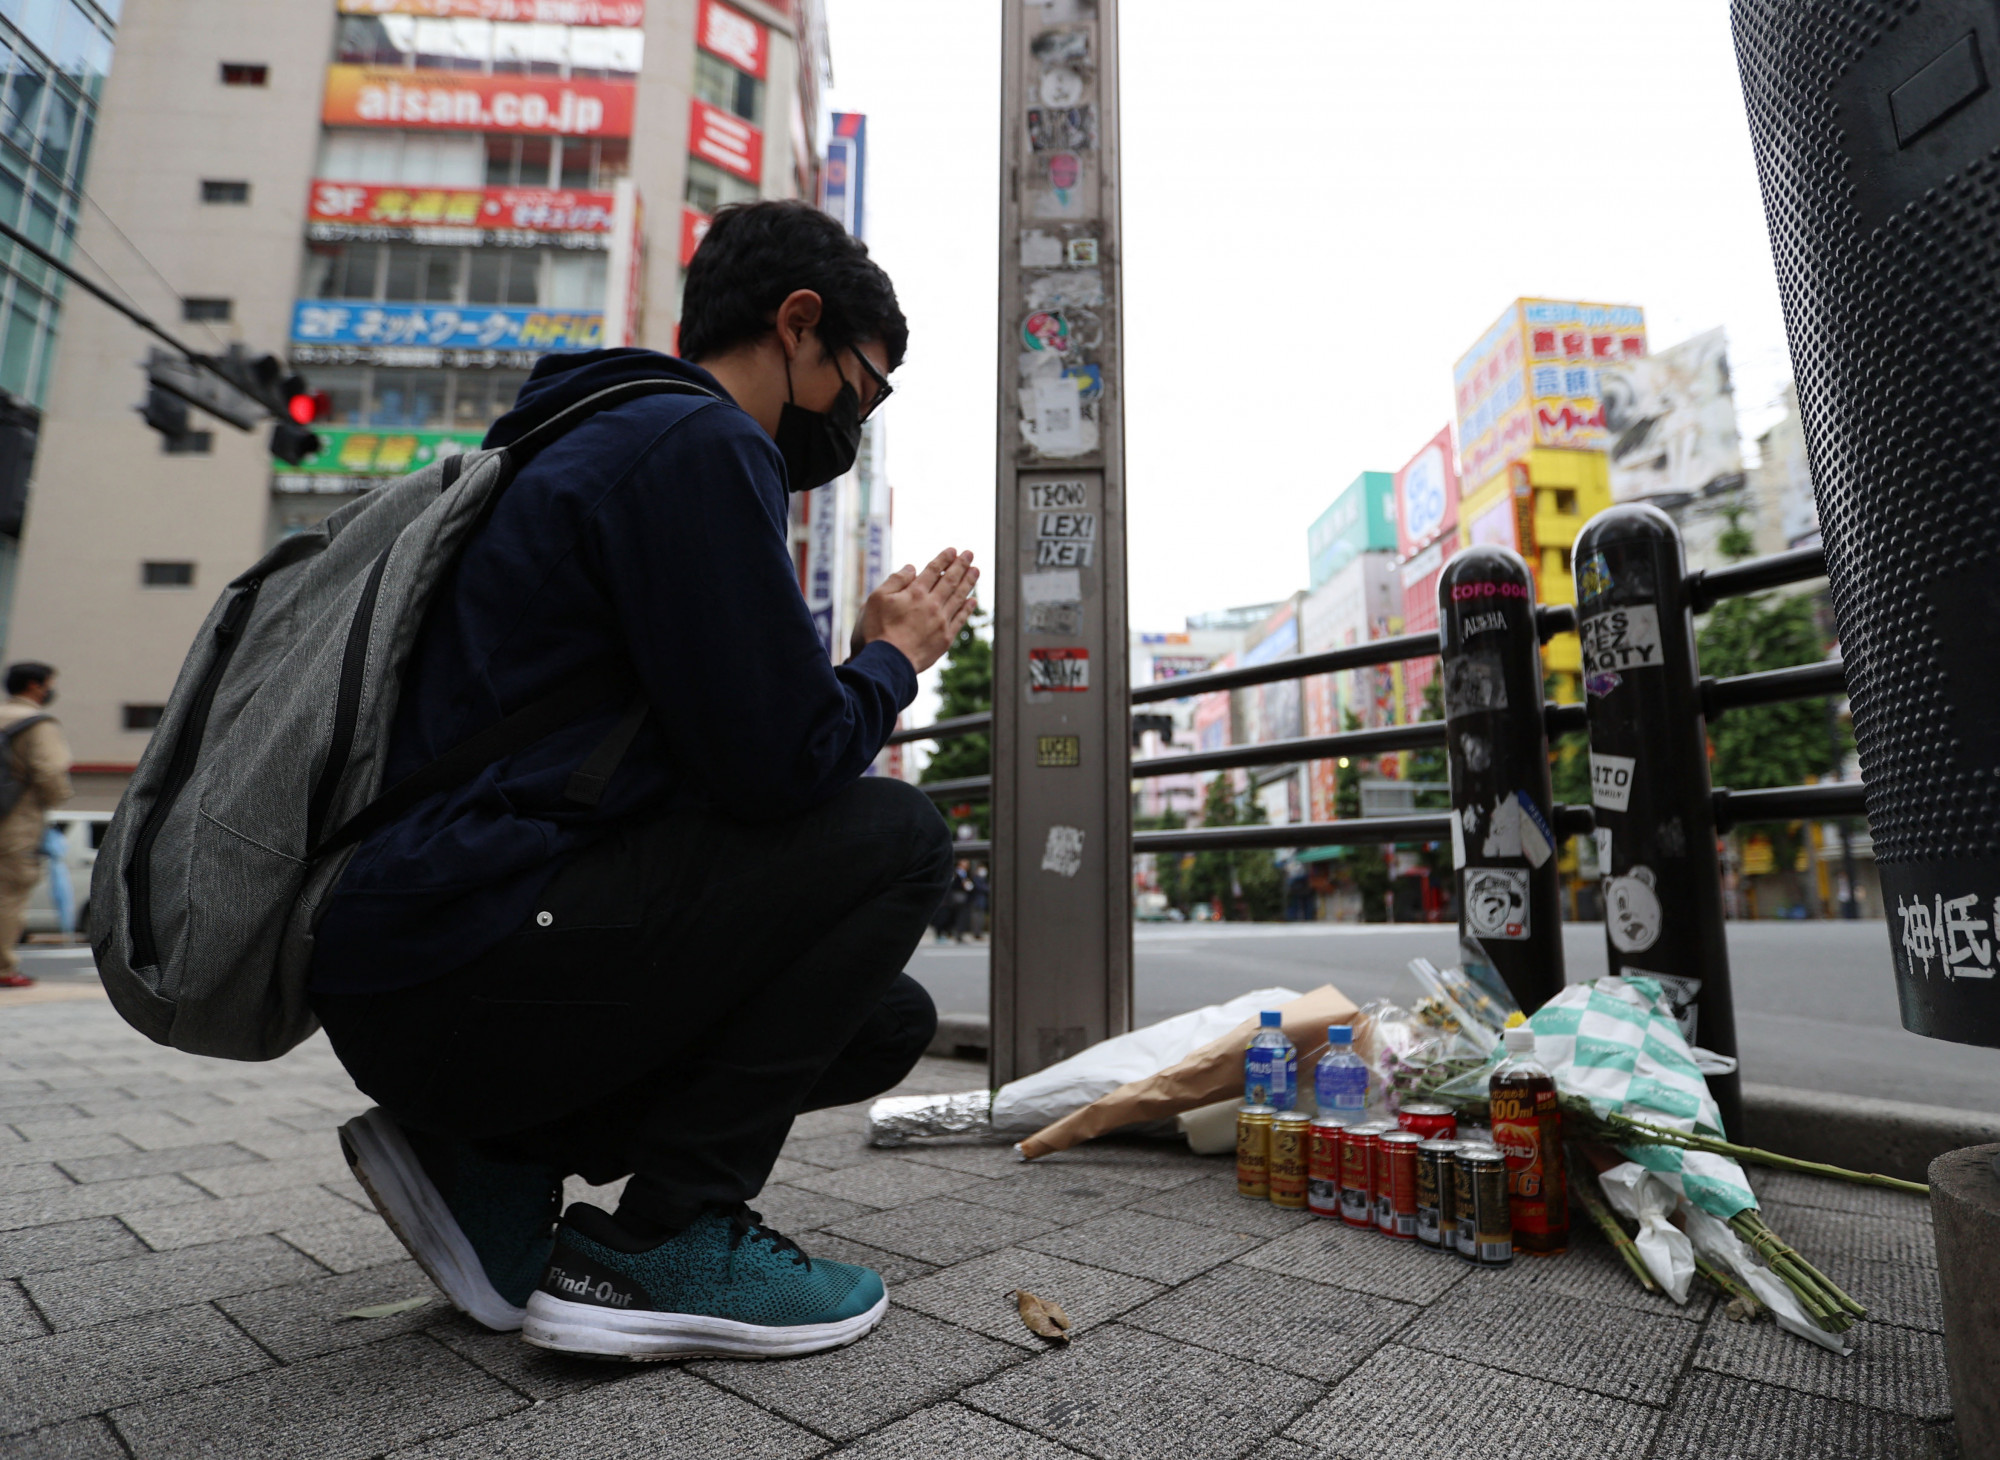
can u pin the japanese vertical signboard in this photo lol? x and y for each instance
(1062, 950)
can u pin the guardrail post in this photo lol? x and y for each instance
(1503, 838)
(1650, 789)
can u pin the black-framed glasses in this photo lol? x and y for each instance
(883, 390)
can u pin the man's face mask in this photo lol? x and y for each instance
(818, 445)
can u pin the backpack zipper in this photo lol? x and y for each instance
(180, 769)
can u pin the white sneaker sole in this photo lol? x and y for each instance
(588, 1329)
(394, 1179)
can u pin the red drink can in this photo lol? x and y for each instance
(1396, 1183)
(1357, 1172)
(1432, 1122)
(1323, 1166)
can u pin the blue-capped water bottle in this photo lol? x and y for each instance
(1271, 1066)
(1340, 1079)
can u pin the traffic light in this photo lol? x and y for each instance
(165, 413)
(293, 439)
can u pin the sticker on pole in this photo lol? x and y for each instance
(1065, 671)
(1611, 781)
(1496, 902)
(1621, 639)
(1064, 853)
(1538, 839)
(1632, 913)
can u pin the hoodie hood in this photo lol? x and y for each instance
(560, 381)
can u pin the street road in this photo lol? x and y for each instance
(1815, 1001)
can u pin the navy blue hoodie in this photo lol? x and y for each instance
(651, 538)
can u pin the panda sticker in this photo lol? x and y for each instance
(1632, 910)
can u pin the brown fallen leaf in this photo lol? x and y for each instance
(1042, 1316)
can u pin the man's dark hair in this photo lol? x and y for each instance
(756, 254)
(27, 673)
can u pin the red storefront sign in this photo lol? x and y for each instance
(734, 36)
(361, 96)
(694, 228)
(729, 142)
(532, 210)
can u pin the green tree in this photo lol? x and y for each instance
(1245, 880)
(1366, 866)
(965, 687)
(1569, 759)
(1766, 745)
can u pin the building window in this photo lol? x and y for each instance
(207, 311)
(721, 85)
(1566, 501)
(214, 190)
(709, 187)
(189, 443)
(414, 159)
(416, 274)
(166, 575)
(245, 73)
(386, 398)
(519, 162)
(143, 717)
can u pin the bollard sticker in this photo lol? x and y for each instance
(1603, 836)
(1482, 623)
(1600, 684)
(1622, 639)
(1611, 780)
(1064, 853)
(1064, 670)
(1474, 682)
(1538, 839)
(1593, 577)
(1496, 902)
(1632, 912)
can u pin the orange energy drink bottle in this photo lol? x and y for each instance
(1527, 1127)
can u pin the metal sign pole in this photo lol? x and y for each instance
(1062, 835)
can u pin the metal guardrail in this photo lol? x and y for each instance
(1710, 586)
(1828, 801)
(1797, 682)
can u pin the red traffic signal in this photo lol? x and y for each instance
(302, 403)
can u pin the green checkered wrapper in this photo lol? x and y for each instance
(1614, 1043)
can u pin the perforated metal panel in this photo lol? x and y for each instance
(1876, 125)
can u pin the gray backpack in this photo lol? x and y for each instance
(267, 766)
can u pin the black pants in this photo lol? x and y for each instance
(684, 989)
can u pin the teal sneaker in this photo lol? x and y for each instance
(481, 1228)
(727, 1285)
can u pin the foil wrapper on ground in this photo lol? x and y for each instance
(896, 1120)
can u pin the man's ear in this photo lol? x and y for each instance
(799, 313)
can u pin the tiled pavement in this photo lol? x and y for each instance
(178, 1238)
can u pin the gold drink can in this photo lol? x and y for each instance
(1253, 1151)
(1291, 1148)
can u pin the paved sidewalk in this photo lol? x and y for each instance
(178, 1238)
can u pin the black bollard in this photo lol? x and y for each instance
(1503, 839)
(1877, 135)
(1649, 784)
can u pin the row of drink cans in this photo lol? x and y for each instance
(1409, 1178)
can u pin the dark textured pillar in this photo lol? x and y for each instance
(1965, 1206)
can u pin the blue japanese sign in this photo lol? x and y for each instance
(469, 327)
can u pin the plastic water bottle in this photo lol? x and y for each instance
(1271, 1066)
(1340, 1079)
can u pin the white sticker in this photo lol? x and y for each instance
(1064, 853)
(1496, 902)
(1055, 553)
(1622, 639)
(1503, 830)
(1603, 835)
(1064, 670)
(1457, 842)
(1041, 250)
(1538, 839)
(1058, 417)
(1611, 781)
(1057, 587)
(1067, 526)
(1057, 496)
(1632, 913)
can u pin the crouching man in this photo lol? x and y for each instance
(532, 987)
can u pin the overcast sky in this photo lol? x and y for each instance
(1325, 205)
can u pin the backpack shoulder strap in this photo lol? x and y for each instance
(24, 723)
(521, 451)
